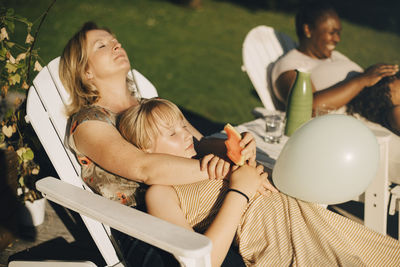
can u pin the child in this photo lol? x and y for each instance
(380, 103)
(269, 230)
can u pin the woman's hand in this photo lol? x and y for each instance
(376, 72)
(249, 148)
(216, 167)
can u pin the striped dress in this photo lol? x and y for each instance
(277, 230)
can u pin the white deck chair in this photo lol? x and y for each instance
(262, 47)
(45, 111)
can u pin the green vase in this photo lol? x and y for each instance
(299, 104)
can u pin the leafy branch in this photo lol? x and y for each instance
(15, 70)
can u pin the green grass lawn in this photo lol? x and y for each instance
(193, 57)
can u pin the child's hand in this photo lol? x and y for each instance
(249, 148)
(266, 184)
(216, 167)
(248, 179)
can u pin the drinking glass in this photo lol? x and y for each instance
(274, 126)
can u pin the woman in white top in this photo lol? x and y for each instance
(335, 78)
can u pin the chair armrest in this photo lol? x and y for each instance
(169, 237)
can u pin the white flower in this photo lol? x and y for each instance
(29, 39)
(35, 171)
(20, 57)
(10, 58)
(7, 131)
(3, 34)
(21, 151)
(25, 85)
(19, 191)
(38, 67)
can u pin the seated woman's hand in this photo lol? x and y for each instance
(249, 148)
(248, 179)
(376, 72)
(216, 167)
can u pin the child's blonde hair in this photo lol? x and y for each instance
(140, 124)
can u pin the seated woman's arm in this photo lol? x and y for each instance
(396, 119)
(341, 93)
(103, 144)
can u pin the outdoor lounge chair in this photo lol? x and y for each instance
(262, 46)
(45, 111)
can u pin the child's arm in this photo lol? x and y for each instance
(163, 202)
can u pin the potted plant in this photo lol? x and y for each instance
(18, 61)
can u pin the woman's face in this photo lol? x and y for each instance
(106, 57)
(175, 140)
(395, 91)
(324, 36)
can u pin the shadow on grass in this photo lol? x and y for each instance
(383, 16)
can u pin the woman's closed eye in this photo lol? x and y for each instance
(100, 45)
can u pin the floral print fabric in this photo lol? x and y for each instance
(100, 181)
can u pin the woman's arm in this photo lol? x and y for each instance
(103, 144)
(341, 93)
(163, 202)
(395, 121)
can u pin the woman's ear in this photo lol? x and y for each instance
(307, 30)
(89, 75)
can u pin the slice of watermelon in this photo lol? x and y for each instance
(232, 145)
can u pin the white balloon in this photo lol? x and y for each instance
(330, 159)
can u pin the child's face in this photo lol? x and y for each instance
(175, 140)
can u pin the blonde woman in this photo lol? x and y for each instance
(269, 229)
(93, 69)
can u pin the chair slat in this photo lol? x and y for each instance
(47, 134)
(261, 48)
(53, 69)
(146, 88)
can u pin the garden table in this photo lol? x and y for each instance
(375, 198)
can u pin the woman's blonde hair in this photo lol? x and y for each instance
(73, 66)
(140, 124)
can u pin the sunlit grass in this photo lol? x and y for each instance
(193, 57)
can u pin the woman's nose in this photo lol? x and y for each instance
(116, 45)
